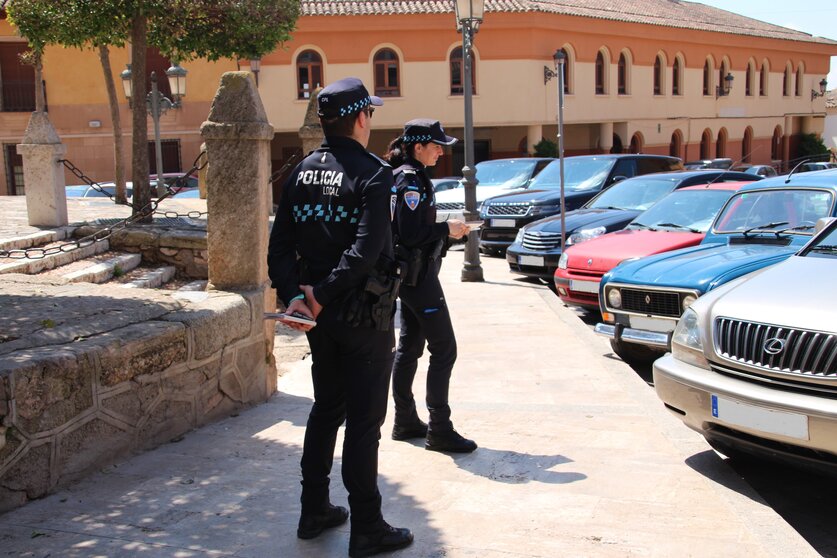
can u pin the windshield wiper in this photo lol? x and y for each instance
(824, 248)
(676, 226)
(643, 226)
(765, 226)
(609, 207)
(796, 228)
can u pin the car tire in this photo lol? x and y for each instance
(633, 353)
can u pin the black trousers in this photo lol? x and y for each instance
(424, 318)
(350, 372)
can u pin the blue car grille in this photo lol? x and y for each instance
(654, 303)
(797, 352)
(507, 209)
(541, 240)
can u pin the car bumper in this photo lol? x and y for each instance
(532, 264)
(795, 427)
(652, 339)
(569, 291)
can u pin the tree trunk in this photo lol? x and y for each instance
(40, 94)
(139, 143)
(118, 147)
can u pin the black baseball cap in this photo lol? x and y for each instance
(424, 130)
(344, 97)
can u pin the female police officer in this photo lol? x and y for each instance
(421, 242)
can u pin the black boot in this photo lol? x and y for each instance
(384, 538)
(409, 430)
(312, 524)
(449, 441)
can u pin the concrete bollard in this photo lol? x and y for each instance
(311, 132)
(46, 198)
(237, 137)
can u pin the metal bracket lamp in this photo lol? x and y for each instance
(723, 90)
(823, 86)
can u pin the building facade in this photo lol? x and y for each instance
(645, 76)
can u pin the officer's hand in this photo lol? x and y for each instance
(315, 306)
(298, 306)
(457, 229)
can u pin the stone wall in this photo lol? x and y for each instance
(73, 400)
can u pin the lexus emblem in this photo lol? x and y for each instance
(589, 262)
(774, 346)
(647, 299)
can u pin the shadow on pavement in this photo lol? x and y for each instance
(513, 467)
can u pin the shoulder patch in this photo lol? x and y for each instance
(409, 171)
(412, 200)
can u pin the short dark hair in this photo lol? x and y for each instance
(339, 125)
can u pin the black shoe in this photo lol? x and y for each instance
(449, 441)
(383, 539)
(410, 430)
(312, 524)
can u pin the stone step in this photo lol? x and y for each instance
(152, 279)
(36, 239)
(106, 270)
(33, 266)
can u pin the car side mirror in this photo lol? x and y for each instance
(823, 223)
(618, 178)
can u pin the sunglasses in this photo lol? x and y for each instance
(369, 111)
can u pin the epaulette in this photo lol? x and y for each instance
(380, 161)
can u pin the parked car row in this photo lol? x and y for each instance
(188, 189)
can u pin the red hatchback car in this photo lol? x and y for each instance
(679, 220)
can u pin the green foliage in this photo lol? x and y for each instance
(546, 148)
(48, 324)
(180, 29)
(811, 145)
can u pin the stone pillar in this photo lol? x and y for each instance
(43, 175)
(237, 137)
(534, 134)
(202, 177)
(606, 136)
(311, 133)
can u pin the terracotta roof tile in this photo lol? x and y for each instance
(668, 13)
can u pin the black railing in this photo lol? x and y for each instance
(18, 96)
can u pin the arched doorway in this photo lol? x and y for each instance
(617, 144)
(721, 144)
(636, 143)
(747, 145)
(706, 144)
(675, 147)
(776, 144)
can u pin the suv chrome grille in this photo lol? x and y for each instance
(517, 208)
(655, 303)
(795, 351)
(452, 206)
(541, 240)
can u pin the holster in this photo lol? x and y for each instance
(411, 261)
(373, 303)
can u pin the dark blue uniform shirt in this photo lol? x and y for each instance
(335, 215)
(414, 212)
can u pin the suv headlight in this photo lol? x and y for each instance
(686, 342)
(519, 238)
(562, 261)
(585, 234)
(546, 209)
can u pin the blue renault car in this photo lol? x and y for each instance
(762, 224)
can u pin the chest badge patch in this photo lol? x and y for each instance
(412, 200)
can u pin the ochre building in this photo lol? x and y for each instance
(647, 76)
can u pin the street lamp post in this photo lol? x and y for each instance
(469, 14)
(823, 87)
(158, 104)
(559, 58)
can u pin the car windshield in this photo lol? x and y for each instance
(789, 210)
(634, 193)
(686, 210)
(580, 174)
(505, 174)
(824, 247)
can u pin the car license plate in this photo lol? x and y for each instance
(502, 223)
(771, 421)
(584, 286)
(536, 261)
(652, 324)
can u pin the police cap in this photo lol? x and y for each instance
(424, 130)
(344, 97)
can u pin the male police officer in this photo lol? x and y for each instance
(330, 258)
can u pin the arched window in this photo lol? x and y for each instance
(776, 144)
(721, 145)
(676, 77)
(706, 144)
(309, 73)
(800, 72)
(676, 144)
(786, 82)
(763, 79)
(658, 75)
(707, 78)
(622, 74)
(386, 73)
(723, 70)
(747, 145)
(600, 74)
(636, 143)
(748, 79)
(457, 73)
